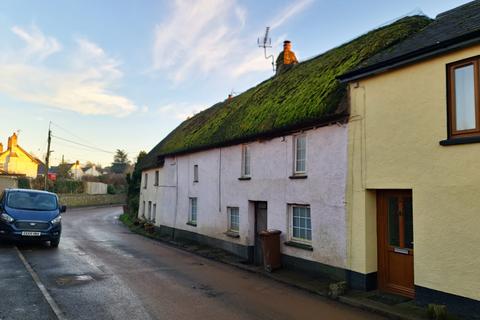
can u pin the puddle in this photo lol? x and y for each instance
(74, 280)
(207, 290)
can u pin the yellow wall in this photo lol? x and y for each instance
(394, 144)
(21, 164)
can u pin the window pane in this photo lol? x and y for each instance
(193, 209)
(408, 224)
(246, 160)
(465, 98)
(300, 154)
(393, 236)
(301, 223)
(234, 219)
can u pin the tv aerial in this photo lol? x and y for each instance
(265, 43)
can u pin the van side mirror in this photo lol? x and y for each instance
(63, 209)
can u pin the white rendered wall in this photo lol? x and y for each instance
(271, 166)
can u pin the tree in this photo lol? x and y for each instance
(133, 181)
(121, 157)
(120, 162)
(64, 171)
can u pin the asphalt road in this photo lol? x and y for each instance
(103, 271)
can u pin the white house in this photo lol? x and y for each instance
(273, 157)
(91, 171)
(294, 183)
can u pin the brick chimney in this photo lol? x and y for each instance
(12, 142)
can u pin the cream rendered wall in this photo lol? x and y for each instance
(271, 165)
(397, 121)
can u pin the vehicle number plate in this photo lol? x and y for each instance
(31, 234)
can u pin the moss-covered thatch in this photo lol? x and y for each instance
(309, 94)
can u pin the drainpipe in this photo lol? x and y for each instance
(220, 181)
(176, 198)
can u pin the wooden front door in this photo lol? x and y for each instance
(395, 242)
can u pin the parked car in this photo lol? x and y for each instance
(30, 215)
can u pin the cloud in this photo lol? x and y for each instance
(290, 11)
(180, 111)
(38, 45)
(197, 36)
(84, 85)
(205, 36)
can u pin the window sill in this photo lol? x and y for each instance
(193, 224)
(232, 234)
(299, 245)
(244, 178)
(298, 176)
(463, 140)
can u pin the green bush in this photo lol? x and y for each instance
(24, 183)
(68, 186)
(111, 189)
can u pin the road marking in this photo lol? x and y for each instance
(42, 288)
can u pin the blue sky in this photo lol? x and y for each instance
(122, 74)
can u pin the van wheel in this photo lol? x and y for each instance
(54, 243)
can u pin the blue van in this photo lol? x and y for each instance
(30, 215)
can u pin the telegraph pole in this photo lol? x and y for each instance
(47, 158)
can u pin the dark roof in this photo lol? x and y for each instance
(453, 29)
(307, 95)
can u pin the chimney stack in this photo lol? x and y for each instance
(12, 142)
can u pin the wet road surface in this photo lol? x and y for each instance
(103, 271)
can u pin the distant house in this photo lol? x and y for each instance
(91, 171)
(16, 161)
(77, 171)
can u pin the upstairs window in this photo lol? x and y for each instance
(145, 182)
(300, 155)
(195, 173)
(245, 161)
(464, 95)
(157, 178)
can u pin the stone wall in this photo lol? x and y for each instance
(86, 200)
(8, 182)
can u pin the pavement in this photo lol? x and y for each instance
(101, 270)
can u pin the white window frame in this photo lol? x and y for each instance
(143, 209)
(154, 212)
(295, 159)
(193, 210)
(145, 183)
(246, 161)
(229, 212)
(195, 173)
(157, 177)
(291, 226)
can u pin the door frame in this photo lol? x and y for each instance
(258, 255)
(383, 247)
